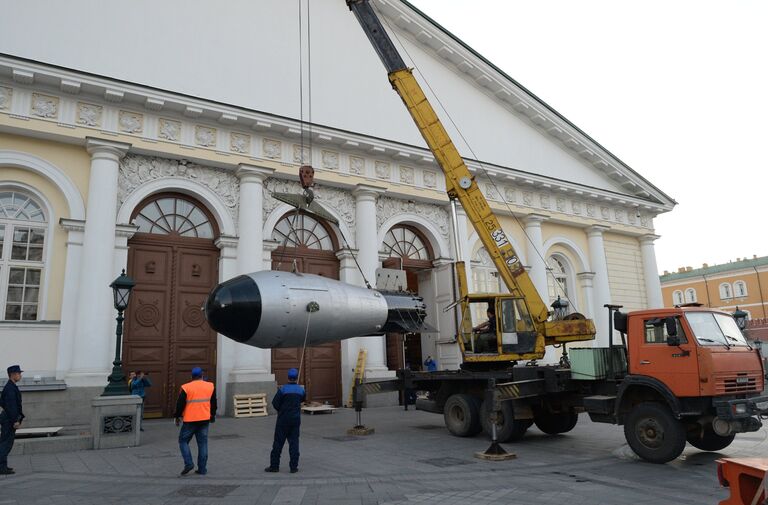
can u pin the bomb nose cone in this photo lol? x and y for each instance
(234, 308)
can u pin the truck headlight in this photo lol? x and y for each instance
(739, 408)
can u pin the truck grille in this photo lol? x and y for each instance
(741, 383)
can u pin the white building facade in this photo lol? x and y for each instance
(161, 158)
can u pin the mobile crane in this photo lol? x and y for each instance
(682, 374)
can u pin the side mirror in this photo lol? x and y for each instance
(673, 340)
(671, 323)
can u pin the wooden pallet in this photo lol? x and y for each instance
(254, 405)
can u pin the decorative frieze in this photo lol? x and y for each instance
(168, 129)
(356, 165)
(136, 170)
(387, 207)
(273, 149)
(239, 143)
(130, 122)
(5, 97)
(205, 136)
(302, 155)
(44, 106)
(330, 160)
(406, 175)
(430, 178)
(89, 114)
(381, 169)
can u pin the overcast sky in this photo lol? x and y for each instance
(678, 90)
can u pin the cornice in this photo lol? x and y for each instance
(71, 102)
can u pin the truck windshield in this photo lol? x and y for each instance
(715, 329)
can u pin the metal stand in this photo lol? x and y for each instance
(495, 452)
(359, 428)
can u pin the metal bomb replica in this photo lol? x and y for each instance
(272, 309)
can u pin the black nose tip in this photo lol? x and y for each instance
(234, 308)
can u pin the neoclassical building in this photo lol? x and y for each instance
(158, 151)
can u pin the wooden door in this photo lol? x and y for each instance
(166, 333)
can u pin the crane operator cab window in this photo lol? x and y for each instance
(506, 325)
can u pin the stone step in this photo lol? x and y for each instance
(49, 445)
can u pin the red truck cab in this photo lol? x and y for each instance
(691, 376)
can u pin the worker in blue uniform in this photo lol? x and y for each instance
(287, 403)
(11, 416)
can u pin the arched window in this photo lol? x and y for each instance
(409, 245)
(485, 278)
(172, 215)
(22, 255)
(557, 278)
(740, 288)
(677, 297)
(302, 231)
(690, 295)
(726, 293)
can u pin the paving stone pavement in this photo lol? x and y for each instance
(410, 460)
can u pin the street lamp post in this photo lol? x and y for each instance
(121, 289)
(741, 319)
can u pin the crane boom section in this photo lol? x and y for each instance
(459, 181)
(461, 185)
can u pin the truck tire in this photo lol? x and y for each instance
(461, 415)
(653, 433)
(552, 424)
(509, 429)
(708, 440)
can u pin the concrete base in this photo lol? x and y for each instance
(247, 388)
(68, 407)
(115, 421)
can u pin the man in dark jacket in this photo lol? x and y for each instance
(10, 416)
(287, 403)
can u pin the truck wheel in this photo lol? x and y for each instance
(653, 433)
(708, 440)
(509, 429)
(461, 415)
(552, 424)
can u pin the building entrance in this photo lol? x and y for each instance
(174, 262)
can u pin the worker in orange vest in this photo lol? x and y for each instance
(197, 407)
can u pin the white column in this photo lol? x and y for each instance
(251, 363)
(225, 347)
(585, 283)
(93, 346)
(651, 271)
(602, 289)
(68, 326)
(535, 253)
(123, 233)
(366, 240)
(466, 247)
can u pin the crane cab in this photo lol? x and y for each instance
(497, 328)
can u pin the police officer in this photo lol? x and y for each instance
(196, 406)
(287, 403)
(11, 416)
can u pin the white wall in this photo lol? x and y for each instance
(34, 346)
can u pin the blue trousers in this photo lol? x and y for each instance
(283, 433)
(7, 436)
(199, 430)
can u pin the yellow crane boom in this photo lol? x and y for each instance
(462, 186)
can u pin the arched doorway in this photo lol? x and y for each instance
(310, 243)
(174, 262)
(407, 249)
